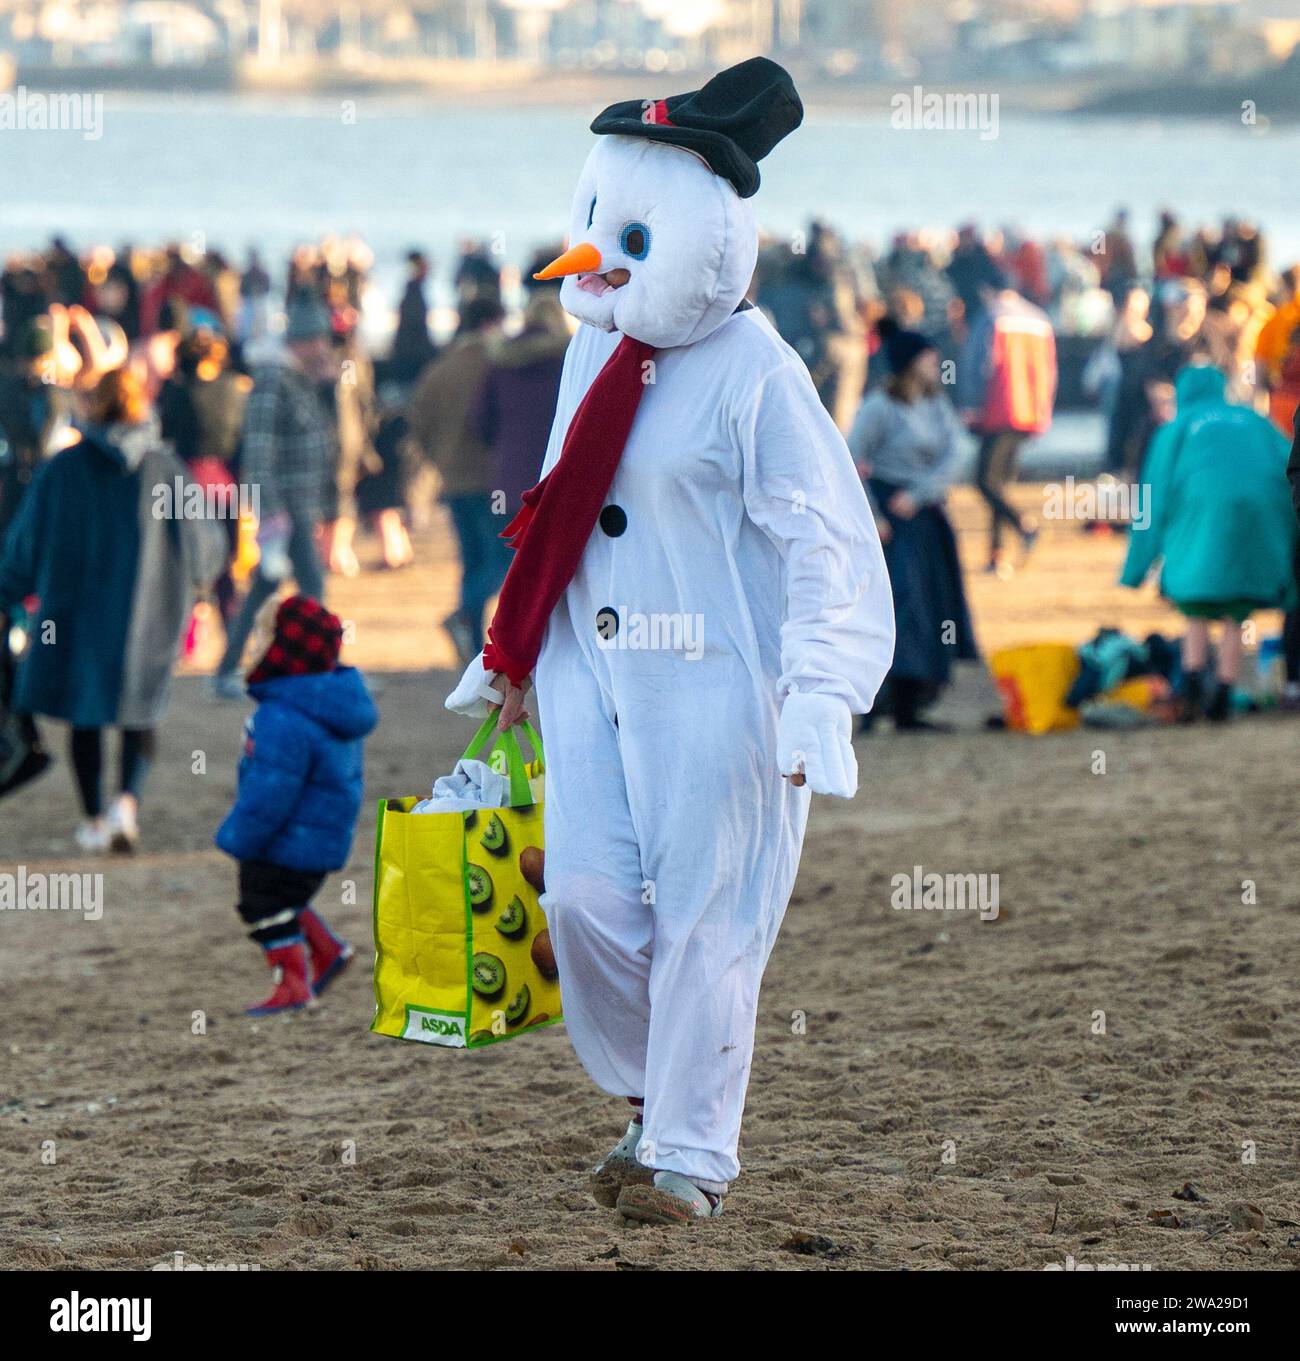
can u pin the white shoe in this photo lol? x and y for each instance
(344, 563)
(92, 836)
(123, 829)
(673, 1199)
(619, 1168)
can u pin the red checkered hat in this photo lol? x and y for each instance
(307, 640)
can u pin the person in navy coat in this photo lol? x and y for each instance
(104, 558)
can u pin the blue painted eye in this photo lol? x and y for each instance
(634, 240)
(591, 212)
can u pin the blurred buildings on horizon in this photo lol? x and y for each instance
(837, 42)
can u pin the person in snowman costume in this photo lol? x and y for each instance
(698, 591)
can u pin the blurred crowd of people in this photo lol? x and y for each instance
(1202, 289)
(175, 364)
(946, 330)
(246, 378)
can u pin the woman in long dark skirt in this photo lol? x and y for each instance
(906, 439)
(382, 493)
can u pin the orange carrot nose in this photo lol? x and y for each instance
(583, 258)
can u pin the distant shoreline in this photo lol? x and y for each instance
(1275, 94)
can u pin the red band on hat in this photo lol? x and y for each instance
(656, 111)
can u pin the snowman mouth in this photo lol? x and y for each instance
(600, 284)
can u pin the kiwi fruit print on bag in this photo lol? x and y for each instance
(513, 979)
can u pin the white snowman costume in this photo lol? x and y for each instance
(730, 613)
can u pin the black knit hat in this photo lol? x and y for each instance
(307, 641)
(734, 121)
(901, 348)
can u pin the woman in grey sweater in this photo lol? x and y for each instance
(906, 440)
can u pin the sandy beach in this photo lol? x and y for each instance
(930, 1090)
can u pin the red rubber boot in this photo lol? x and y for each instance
(330, 954)
(289, 963)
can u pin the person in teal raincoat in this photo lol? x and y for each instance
(1217, 509)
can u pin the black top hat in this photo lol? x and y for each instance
(734, 121)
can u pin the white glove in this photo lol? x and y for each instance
(473, 696)
(814, 737)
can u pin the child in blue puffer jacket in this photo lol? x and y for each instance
(299, 794)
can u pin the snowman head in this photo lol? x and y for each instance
(663, 249)
(663, 237)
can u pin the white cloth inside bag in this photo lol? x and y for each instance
(472, 784)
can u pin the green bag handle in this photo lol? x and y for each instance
(520, 794)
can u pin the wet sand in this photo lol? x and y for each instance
(929, 1090)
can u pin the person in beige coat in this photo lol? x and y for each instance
(443, 428)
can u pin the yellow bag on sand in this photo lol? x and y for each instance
(1143, 693)
(1034, 681)
(462, 950)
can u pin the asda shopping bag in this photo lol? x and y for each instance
(463, 955)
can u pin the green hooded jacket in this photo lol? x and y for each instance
(1215, 503)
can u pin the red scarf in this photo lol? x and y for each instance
(551, 531)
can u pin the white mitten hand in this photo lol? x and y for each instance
(474, 695)
(813, 737)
